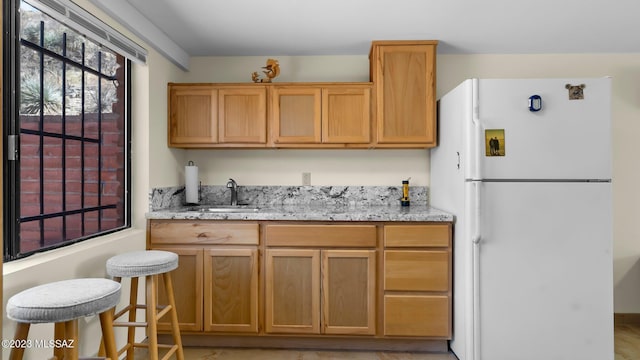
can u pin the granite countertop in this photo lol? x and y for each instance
(307, 212)
(299, 203)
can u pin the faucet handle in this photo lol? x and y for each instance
(231, 183)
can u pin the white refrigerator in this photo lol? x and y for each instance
(525, 167)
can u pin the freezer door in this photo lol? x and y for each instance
(566, 139)
(545, 272)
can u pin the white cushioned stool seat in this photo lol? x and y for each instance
(63, 300)
(142, 263)
(63, 303)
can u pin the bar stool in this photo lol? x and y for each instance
(149, 264)
(63, 303)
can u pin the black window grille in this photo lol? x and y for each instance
(69, 119)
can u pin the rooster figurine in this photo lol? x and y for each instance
(272, 70)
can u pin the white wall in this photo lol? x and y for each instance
(387, 167)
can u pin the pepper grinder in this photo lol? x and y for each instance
(405, 193)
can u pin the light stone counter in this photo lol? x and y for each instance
(300, 203)
(305, 212)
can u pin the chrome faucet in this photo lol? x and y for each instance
(231, 184)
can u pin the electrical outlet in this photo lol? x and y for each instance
(306, 178)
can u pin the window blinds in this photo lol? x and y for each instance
(87, 24)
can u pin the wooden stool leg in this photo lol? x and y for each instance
(71, 333)
(152, 316)
(175, 329)
(22, 331)
(59, 334)
(106, 323)
(101, 351)
(131, 330)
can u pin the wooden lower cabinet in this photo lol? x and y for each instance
(231, 290)
(416, 315)
(216, 282)
(187, 288)
(417, 281)
(348, 292)
(299, 280)
(270, 279)
(292, 281)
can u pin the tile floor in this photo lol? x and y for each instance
(627, 347)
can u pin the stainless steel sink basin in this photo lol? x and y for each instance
(225, 208)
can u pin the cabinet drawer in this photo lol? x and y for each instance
(321, 235)
(203, 232)
(417, 235)
(413, 270)
(417, 315)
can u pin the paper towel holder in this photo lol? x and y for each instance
(190, 163)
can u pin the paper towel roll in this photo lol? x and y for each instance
(191, 184)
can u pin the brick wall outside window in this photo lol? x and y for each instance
(67, 196)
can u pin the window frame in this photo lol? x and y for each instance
(12, 44)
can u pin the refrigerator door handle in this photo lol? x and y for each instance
(476, 238)
(475, 205)
(477, 142)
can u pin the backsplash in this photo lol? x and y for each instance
(174, 197)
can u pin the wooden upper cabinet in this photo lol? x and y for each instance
(295, 115)
(404, 77)
(242, 115)
(217, 115)
(320, 114)
(346, 114)
(192, 115)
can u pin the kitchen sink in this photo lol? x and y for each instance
(224, 208)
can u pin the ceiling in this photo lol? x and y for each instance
(347, 27)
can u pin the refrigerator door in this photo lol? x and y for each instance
(545, 271)
(566, 139)
(447, 162)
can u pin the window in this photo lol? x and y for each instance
(69, 117)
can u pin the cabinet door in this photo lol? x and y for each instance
(242, 115)
(348, 290)
(192, 116)
(295, 116)
(231, 290)
(404, 76)
(346, 115)
(292, 291)
(187, 287)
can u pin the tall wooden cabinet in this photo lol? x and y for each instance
(404, 77)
